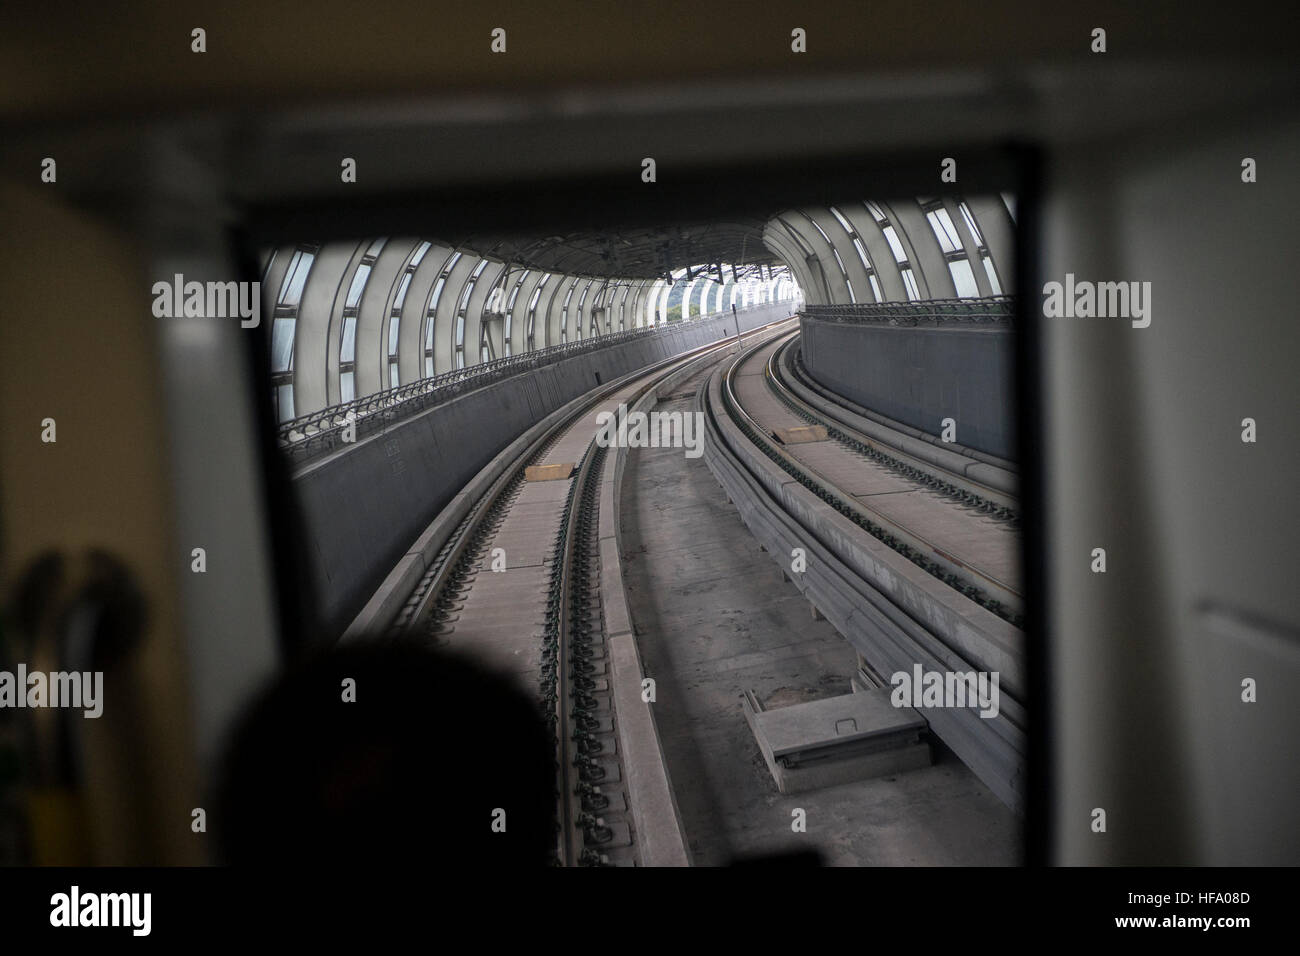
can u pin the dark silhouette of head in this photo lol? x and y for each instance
(432, 752)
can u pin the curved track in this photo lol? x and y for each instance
(914, 564)
(939, 520)
(518, 585)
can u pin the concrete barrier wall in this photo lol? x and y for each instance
(362, 506)
(921, 376)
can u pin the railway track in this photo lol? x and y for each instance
(956, 530)
(915, 564)
(517, 583)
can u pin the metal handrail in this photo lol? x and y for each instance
(319, 431)
(989, 310)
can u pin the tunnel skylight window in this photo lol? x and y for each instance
(419, 254)
(514, 293)
(531, 330)
(296, 278)
(820, 231)
(358, 285)
(577, 325)
(282, 344)
(970, 224)
(862, 254)
(469, 289)
(963, 278)
(348, 350)
(944, 230)
(401, 290)
(993, 275)
(897, 247)
(843, 222)
(913, 293)
(564, 313)
(844, 274)
(460, 311)
(437, 293)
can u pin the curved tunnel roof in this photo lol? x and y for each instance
(350, 319)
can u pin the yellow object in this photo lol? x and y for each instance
(57, 827)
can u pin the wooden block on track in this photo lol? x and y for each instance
(549, 472)
(800, 434)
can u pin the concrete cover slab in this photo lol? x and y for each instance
(848, 718)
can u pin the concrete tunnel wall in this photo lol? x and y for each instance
(921, 376)
(363, 506)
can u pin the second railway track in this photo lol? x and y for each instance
(955, 530)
